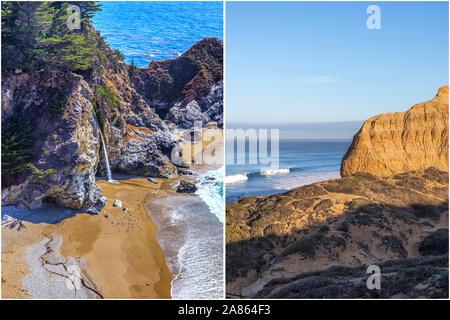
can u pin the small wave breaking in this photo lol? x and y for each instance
(242, 177)
(271, 172)
(210, 190)
(236, 178)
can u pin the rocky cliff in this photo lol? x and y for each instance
(398, 142)
(186, 89)
(66, 110)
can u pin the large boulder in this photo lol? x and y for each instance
(186, 187)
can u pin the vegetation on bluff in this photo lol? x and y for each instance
(108, 95)
(17, 137)
(36, 35)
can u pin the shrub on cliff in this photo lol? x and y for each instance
(132, 69)
(435, 243)
(304, 246)
(107, 95)
(119, 54)
(58, 103)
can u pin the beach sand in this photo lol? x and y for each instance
(117, 253)
(123, 258)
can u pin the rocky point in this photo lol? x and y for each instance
(137, 111)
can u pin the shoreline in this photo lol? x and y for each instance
(163, 207)
(179, 217)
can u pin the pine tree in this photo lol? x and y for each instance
(36, 35)
(133, 68)
(17, 137)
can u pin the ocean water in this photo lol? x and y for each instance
(157, 30)
(191, 237)
(300, 163)
(210, 190)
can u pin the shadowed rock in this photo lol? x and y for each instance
(186, 187)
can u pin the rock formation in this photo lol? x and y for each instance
(186, 187)
(188, 88)
(67, 108)
(389, 209)
(404, 141)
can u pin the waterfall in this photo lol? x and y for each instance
(108, 169)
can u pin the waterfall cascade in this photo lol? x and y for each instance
(108, 169)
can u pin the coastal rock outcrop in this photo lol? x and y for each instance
(186, 187)
(65, 148)
(390, 209)
(403, 141)
(67, 111)
(188, 88)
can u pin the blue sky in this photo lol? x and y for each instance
(318, 62)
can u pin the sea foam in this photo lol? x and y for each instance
(271, 172)
(236, 178)
(210, 190)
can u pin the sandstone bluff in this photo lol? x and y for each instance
(398, 142)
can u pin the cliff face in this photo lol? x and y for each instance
(398, 142)
(68, 144)
(62, 108)
(188, 88)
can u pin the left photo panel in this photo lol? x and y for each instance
(112, 150)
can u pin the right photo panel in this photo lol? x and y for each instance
(336, 122)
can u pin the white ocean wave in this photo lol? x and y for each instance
(236, 178)
(210, 190)
(271, 172)
(295, 180)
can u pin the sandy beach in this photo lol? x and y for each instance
(115, 254)
(119, 249)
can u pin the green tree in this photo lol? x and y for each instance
(17, 137)
(119, 54)
(23, 25)
(133, 68)
(36, 35)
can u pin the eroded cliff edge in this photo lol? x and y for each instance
(317, 241)
(64, 110)
(403, 141)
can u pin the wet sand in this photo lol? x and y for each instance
(123, 258)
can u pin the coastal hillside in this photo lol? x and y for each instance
(65, 91)
(403, 141)
(316, 241)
